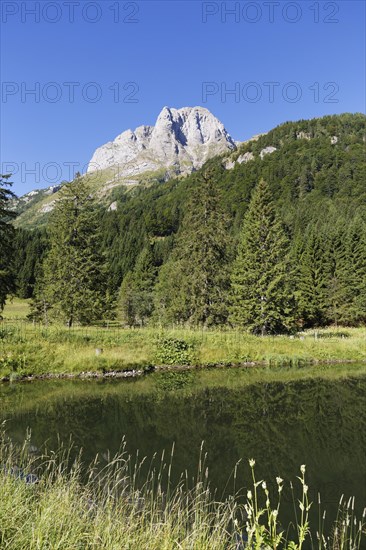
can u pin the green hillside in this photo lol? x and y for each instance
(313, 182)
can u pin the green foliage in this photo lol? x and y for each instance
(331, 273)
(73, 285)
(136, 293)
(193, 287)
(29, 252)
(173, 351)
(12, 363)
(6, 240)
(351, 274)
(262, 300)
(313, 278)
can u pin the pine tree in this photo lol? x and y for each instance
(171, 296)
(196, 289)
(261, 294)
(336, 257)
(144, 275)
(136, 295)
(40, 306)
(6, 240)
(313, 280)
(74, 281)
(29, 249)
(351, 274)
(127, 300)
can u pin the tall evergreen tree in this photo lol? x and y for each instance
(336, 256)
(74, 280)
(127, 301)
(195, 290)
(136, 293)
(261, 292)
(6, 240)
(29, 250)
(351, 274)
(313, 278)
(171, 296)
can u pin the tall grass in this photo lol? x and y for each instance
(77, 507)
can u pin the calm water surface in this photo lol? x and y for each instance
(320, 423)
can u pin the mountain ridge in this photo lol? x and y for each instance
(182, 140)
(337, 132)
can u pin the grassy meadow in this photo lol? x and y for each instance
(27, 349)
(16, 308)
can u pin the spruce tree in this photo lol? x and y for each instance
(127, 300)
(74, 281)
(351, 274)
(144, 275)
(313, 278)
(171, 295)
(136, 293)
(193, 286)
(6, 240)
(336, 297)
(261, 292)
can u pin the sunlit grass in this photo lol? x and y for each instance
(16, 308)
(106, 506)
(27, 349)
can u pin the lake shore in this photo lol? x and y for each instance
(29, 352)
(349, 370)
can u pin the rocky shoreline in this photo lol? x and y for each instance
(138, 372)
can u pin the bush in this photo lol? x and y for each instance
(171, 351)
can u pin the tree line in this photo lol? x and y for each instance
(262, 284)
(271, 246)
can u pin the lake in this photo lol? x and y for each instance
(282, 424)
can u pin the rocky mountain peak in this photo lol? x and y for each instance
(182, 140)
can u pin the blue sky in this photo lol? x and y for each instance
(99, 68)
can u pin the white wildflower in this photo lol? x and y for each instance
(302, 468)
(249, 495)
(251, 462)
(275, 513)
(264, 485)
(279, 480)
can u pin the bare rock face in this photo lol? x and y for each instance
(181, 141)
(245, 158)
(267, 151)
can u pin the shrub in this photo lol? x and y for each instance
(171, 351)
